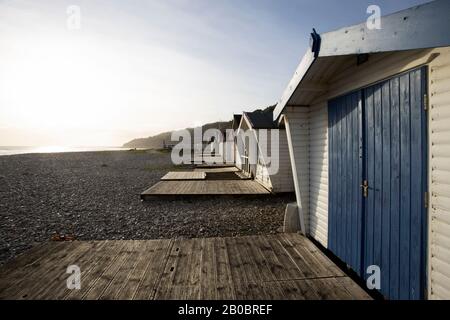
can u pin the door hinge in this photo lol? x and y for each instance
(425, 198)
(425, 102)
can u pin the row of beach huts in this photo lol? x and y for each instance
(364, 131)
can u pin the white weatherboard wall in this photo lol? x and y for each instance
(282, 180)
(308, 128)
(240, 145)
(439, 182)
(237, 156)
(297, 130)
(318, 173)
(262, 173)
(262, 176)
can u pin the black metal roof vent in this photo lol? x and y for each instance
(315, 45)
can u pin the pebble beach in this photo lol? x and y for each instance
(95, 196)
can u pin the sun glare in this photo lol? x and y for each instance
(51, 149)
(58, 82)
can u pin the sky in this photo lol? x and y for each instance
(120, 70)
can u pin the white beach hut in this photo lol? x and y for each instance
(259, 126)
(367, 116)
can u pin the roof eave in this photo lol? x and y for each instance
(419, 27)
(306, 63)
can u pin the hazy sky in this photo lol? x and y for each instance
(136, 68)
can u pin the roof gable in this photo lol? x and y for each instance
(261, 119)
(420, 27)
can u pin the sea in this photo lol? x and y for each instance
(7, 151)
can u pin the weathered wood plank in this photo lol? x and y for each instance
(25, 277)
(242, 175)
(301, 250)
(181, 277)
(257, 246)
(129, 263)
(238, 274)
(54, 272)
(205, 187)
(304, 267)
(106, 277)
(184, 175)
(157, 257)
(250, 291)
(102, 261)
(58, 289)
(296, 290)
(250, 267)
(136, 272)
(195, 269)
(224, 281)
(208, 279)
(355, 291)
(286, 267)
(217, 170)
(244, 274)
(13, 272)
(28, 257)
(277, 269)
(324, 266)
(328, 289)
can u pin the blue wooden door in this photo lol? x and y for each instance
(377, 135)
(395, 168)
(346, 172)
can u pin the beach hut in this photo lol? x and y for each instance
(256, 139)
(235, 126)
(367, 116)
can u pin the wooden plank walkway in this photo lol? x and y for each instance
(205, 188)
(184, 175)
(242, 175)
(217, 170)
(282, 266)
(214, 166)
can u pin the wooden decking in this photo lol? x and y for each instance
(184, 175)
(284, 266)
(216, 170)
(205, 181)
(205, 188)
(243, 175)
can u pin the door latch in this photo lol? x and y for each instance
(365, 188)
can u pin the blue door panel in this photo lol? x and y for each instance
(418, 153)
(345, 196)
(397, 185)
(386, 184)
(379, 134)
(393, 178)
(405, 185)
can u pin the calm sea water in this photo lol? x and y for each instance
(5, 151)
